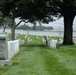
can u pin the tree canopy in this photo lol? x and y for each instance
(67, 9)
(42, 11)
(37, 9)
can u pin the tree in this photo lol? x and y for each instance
(42, 11)
(66, 9)
(26, 10)
(3, 22)
(18, 8)
(8, 8)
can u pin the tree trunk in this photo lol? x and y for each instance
(12, 33)
(13, 27)
(68, 29)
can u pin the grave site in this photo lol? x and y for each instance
(37, 37)
(32, 56)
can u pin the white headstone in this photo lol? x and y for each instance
(4, 57)
(61, 40)
(53, 43)
(43, 40)
(29, 40)
(3, 47)
(47, 37)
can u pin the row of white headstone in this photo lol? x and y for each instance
(13, 48)
(52, 43)
(8, 49)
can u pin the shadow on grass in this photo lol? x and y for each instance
(34, 45)
(62, 45)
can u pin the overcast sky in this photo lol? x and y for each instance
(57, 25)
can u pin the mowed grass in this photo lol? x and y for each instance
(37, 59)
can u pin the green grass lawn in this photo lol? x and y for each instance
(37, 59)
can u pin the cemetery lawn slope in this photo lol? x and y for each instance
(37, 59)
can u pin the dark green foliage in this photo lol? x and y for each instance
(37, 9)
(67, 9)
(43, 11)
(34, 10)
(8, 7)
(26, 27)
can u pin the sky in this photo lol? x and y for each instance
(57, 25)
